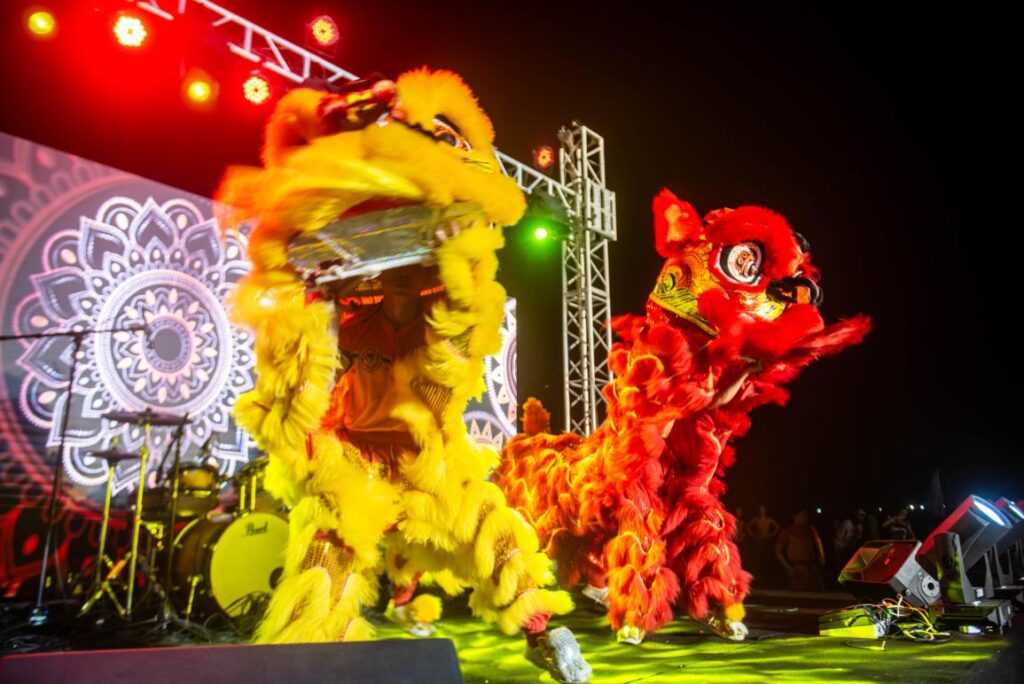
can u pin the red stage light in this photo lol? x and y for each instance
(544, 157)
(324, 31)
(130, 31)
(41, 24)
(256, 89)
(199, 91)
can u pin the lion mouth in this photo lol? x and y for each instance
(375, 236)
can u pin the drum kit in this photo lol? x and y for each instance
(202, 551)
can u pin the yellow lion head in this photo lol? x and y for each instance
(420, 140)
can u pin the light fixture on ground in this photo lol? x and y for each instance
(882, 569)
(958, 553)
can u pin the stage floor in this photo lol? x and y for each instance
(783, 646)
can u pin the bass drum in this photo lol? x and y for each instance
(219, 563)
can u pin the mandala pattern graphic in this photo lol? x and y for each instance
(493, 421)
(165, 268)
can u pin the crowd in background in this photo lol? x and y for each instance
(808, 553)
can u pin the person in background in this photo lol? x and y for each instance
(898, 526)
(798, 549)
(760, 533)
(849, 536)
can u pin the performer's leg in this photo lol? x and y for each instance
(709, 563)
(641, 589)
(333, 557)
(487, 545)
(416, 614)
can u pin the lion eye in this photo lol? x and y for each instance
(742, 262)
(447, 133)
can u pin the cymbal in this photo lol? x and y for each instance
(148, 416)
(114, 455)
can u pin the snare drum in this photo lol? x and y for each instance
(219, 562)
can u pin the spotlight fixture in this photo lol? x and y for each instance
(959, 543)
(199, 90)
(1009, 551)
(41, 24)
(882, 569)
(130, 31)
(256, 88)
(546, 217)
(543, 157)
(323, 30)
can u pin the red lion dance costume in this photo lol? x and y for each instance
(634, 508)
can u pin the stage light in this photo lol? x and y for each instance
(959, 543)
(545, 217)
(324, 31)
(41, 24)
(130, 31)
(199, 90)
(882, 569)
(543, 157)
(979, 524)
(910, 507)
(256, 89)
(1010, 510)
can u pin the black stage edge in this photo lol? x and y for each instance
(425, 661)
(1007, 665)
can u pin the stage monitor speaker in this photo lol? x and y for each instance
(398, 661)
(882, 569)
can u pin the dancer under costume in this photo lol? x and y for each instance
(368, 447)
(634, 509)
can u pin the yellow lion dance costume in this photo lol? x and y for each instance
(422, 504)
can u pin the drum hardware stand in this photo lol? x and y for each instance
(194, 581)
(168, 609)
(39, 616)
(102, 586)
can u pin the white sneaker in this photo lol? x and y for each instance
(628, 634)
(733, 631)
(402, 615)
(596, 594)
(558, 653)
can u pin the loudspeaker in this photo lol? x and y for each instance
(882, 569)
(398, 661)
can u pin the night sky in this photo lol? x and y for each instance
(885, 139)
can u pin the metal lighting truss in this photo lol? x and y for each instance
(586, 296)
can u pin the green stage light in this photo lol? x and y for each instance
(546, 217)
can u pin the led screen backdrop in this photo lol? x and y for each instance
(84, 246)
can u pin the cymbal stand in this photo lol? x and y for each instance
(179, 432)
(137, 518)
(39, 616)
(100, 586)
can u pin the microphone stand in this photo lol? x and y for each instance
(39, 616)
(168, 609)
